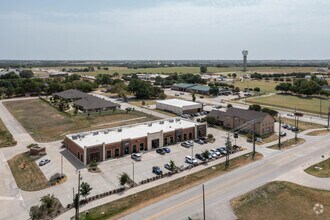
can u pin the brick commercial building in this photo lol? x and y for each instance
(179, 106)
(235, 117)
(105, 144)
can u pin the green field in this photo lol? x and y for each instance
(167, 70)
(282, 200)
(46, 123)
(311, 105)
(265, 86)
(6, 139)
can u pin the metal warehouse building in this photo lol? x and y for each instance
(179, 106)
(105, 144)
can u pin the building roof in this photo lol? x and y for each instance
(183, 85)
(92, 102)
(179, 103)
(243, 114)
(200, 88)
(118, 134)
(71, 94)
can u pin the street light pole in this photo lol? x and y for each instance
(61, 166)
(77, 196)
(133, 173)
(254, 140)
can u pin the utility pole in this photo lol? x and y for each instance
(203, 202)
(254, 140)
(320, 108)
(279, 132)
(77, 197)
(295, 125)
(192, 151)
(328, 118)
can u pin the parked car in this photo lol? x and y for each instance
(203, 139)
(185, 144)
(176, 94)
(191, 160)
(294, 129)
(222, 150)
(282, 134)
(215, 151)
(199, 141)
(212, 155)
(285, 126)
(136, 156)
(200, 157)
(181, 93)
(201, 97)
(289, 127)
(157, 170)
(191, 143)
(160, 151)
(167, 166)
(290, 115)
(166, 150)
(44, 162)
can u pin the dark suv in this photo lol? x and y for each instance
(157, 170)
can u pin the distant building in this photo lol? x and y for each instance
(95, 104)
(204, 90)
(179, 106)
(182, 86)
(101, 145)
(234, 117)
(70, 95)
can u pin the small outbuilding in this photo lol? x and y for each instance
(179, 106)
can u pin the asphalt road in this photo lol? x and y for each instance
(219, 191)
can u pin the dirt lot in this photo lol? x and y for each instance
(46, 123)
(27, 173)
(282, 200)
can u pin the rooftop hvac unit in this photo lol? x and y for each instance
(106, 132)
(150, 124)
(120, 130)
(171, 120)
(161, 122)
(95, 133)
(177, 119)
(74, 137)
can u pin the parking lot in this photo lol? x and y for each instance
(108, 179)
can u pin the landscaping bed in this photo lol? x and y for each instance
(321, 169)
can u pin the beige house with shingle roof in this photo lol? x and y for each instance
(234, 117)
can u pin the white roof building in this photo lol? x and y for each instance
(179, 106)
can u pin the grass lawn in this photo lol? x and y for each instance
(6, 139)
(311, 105)
(129, 204)
(27, 173)
(302, 125)
(265, 86)
(318, 133)
(268, 139)
(46, 123)
(282, 200)
(321, 169)
(288, 144)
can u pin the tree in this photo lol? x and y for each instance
(162, 96)
(229, 105)
(270, 111)
(234, 75)
(48, 200)
(211, 120)
(203, 69)
(236, 89)
(214, 90)
(255, 107)
(205, 154)
(85, 189)
(26, 74)
(256, 89)
(229, 75)
(123, 179)
(172, 165)
(141, 89)
(193, 96)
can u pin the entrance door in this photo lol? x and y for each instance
(134, 148)
(155, 143)
(141, 146)
(95, 156)
(126, 150)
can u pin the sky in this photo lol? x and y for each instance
(164, 29)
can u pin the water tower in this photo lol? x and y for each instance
(245, 53)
